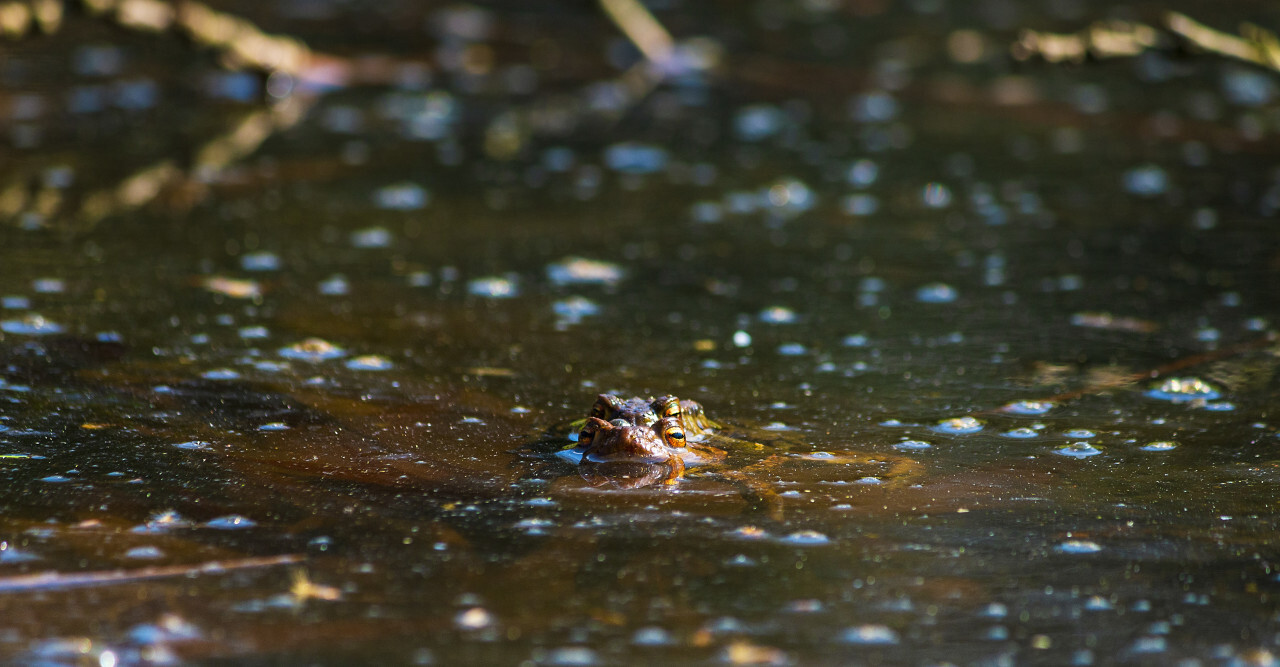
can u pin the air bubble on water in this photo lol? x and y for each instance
(997, 633)
(1219, 406)
(936, 195)
(788, 197)
(1149, 645)
(274, 426)
(220, 374)
(260, 261)
(162, 522)
(313, 350)
(55, 479)
(874, 106)
(958, 426)
(48, 285)
(1146, 180)
(749, 533)
(493, 287)
(870, 634)
(1079, 433)
(778, 426)
(369, 362)
(791, 349)
(868, 481)
(862, 173)
(1027, 407)
(855, 340)
(741, 339)
(860, 204)
(936, 293)
(1255, 324)
(401, 197)
(1179, 390)
(758, 121)
(1208, 335)
(15, 302)
(1077, 450)
(574, 308)
(193, 444)
(912, 445)
(1098, 603)
(475, 618)
(635, 158)
(995, 610)
(144, 553)
(255, 332)
(706, 212)
(31, 325)
(231, 522)
(335, 285)
(652, 636)
(778, 315)
(1022, 433)
(1079, 547)
(371, 237)
(582, 271)
(806, 538)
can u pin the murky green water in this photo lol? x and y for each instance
(866, 224)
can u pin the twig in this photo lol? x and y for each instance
(59, 580)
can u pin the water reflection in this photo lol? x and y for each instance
(997, 367)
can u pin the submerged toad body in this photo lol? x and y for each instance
(664, 430)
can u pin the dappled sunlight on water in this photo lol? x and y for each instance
(299, 369)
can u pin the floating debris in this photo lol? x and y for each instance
(31, 325)
(582, 271)
(313, 350)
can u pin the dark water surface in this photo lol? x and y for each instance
(866, 224)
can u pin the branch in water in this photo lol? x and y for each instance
(58, 580)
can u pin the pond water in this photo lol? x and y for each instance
(285, 381)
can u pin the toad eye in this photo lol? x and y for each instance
(606, 406)
(669, 406)
(674, 435)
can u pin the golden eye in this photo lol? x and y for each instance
(674, 435)
(668, 406)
